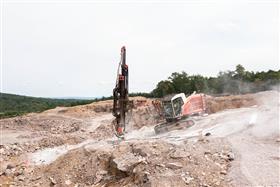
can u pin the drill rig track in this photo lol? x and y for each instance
(175, 125)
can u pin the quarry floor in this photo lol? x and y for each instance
(236, 144)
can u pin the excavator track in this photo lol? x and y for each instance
(171, 126)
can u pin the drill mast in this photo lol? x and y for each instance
(120, 95)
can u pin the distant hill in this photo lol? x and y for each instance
(14, 105)
(76, 98)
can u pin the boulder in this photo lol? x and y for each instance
(179, 154)
(174, 165)
(127, 162)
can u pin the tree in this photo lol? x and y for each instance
(198, 83)
(163, 88)
(181, 82)
(231, 82)
(240, 72)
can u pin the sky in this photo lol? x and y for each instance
(69, 48)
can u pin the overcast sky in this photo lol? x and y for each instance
(71, 48)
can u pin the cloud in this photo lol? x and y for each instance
(229, 26)
(77, 45)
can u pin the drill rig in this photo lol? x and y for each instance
(120, 96)
(178, 111)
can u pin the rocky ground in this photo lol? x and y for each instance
(237, 144)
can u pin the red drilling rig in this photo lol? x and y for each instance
(177, 109)
(120, 95)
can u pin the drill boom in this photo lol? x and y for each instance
(120, 95)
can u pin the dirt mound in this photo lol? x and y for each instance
(83, 111)
(104, 131)
(54, 140)
(90, 110)
(140, 163)
(41, 122)
(215, 104)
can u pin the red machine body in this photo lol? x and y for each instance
(178, 109)
(194, 104)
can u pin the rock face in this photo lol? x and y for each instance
(216, 104)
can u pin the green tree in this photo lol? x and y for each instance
(239, 72)
(198, 83)
(163, 88)
(181, 82)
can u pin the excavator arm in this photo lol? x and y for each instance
(120, 95)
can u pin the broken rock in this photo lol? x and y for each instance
(127, 162)
(68, 182)
(11, 166)
(174, 165)
(208, 134)
(223, 172)
(53, 182)
(8, 172)
(186, 178)
(21, 178)
(179, 154)
(230, 156)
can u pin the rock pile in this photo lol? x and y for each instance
(140, 163)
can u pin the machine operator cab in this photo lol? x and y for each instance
(173, 106)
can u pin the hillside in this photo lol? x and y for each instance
(13, 105)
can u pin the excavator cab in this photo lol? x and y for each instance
(172, 106)
(177, 106)
(168, 109)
